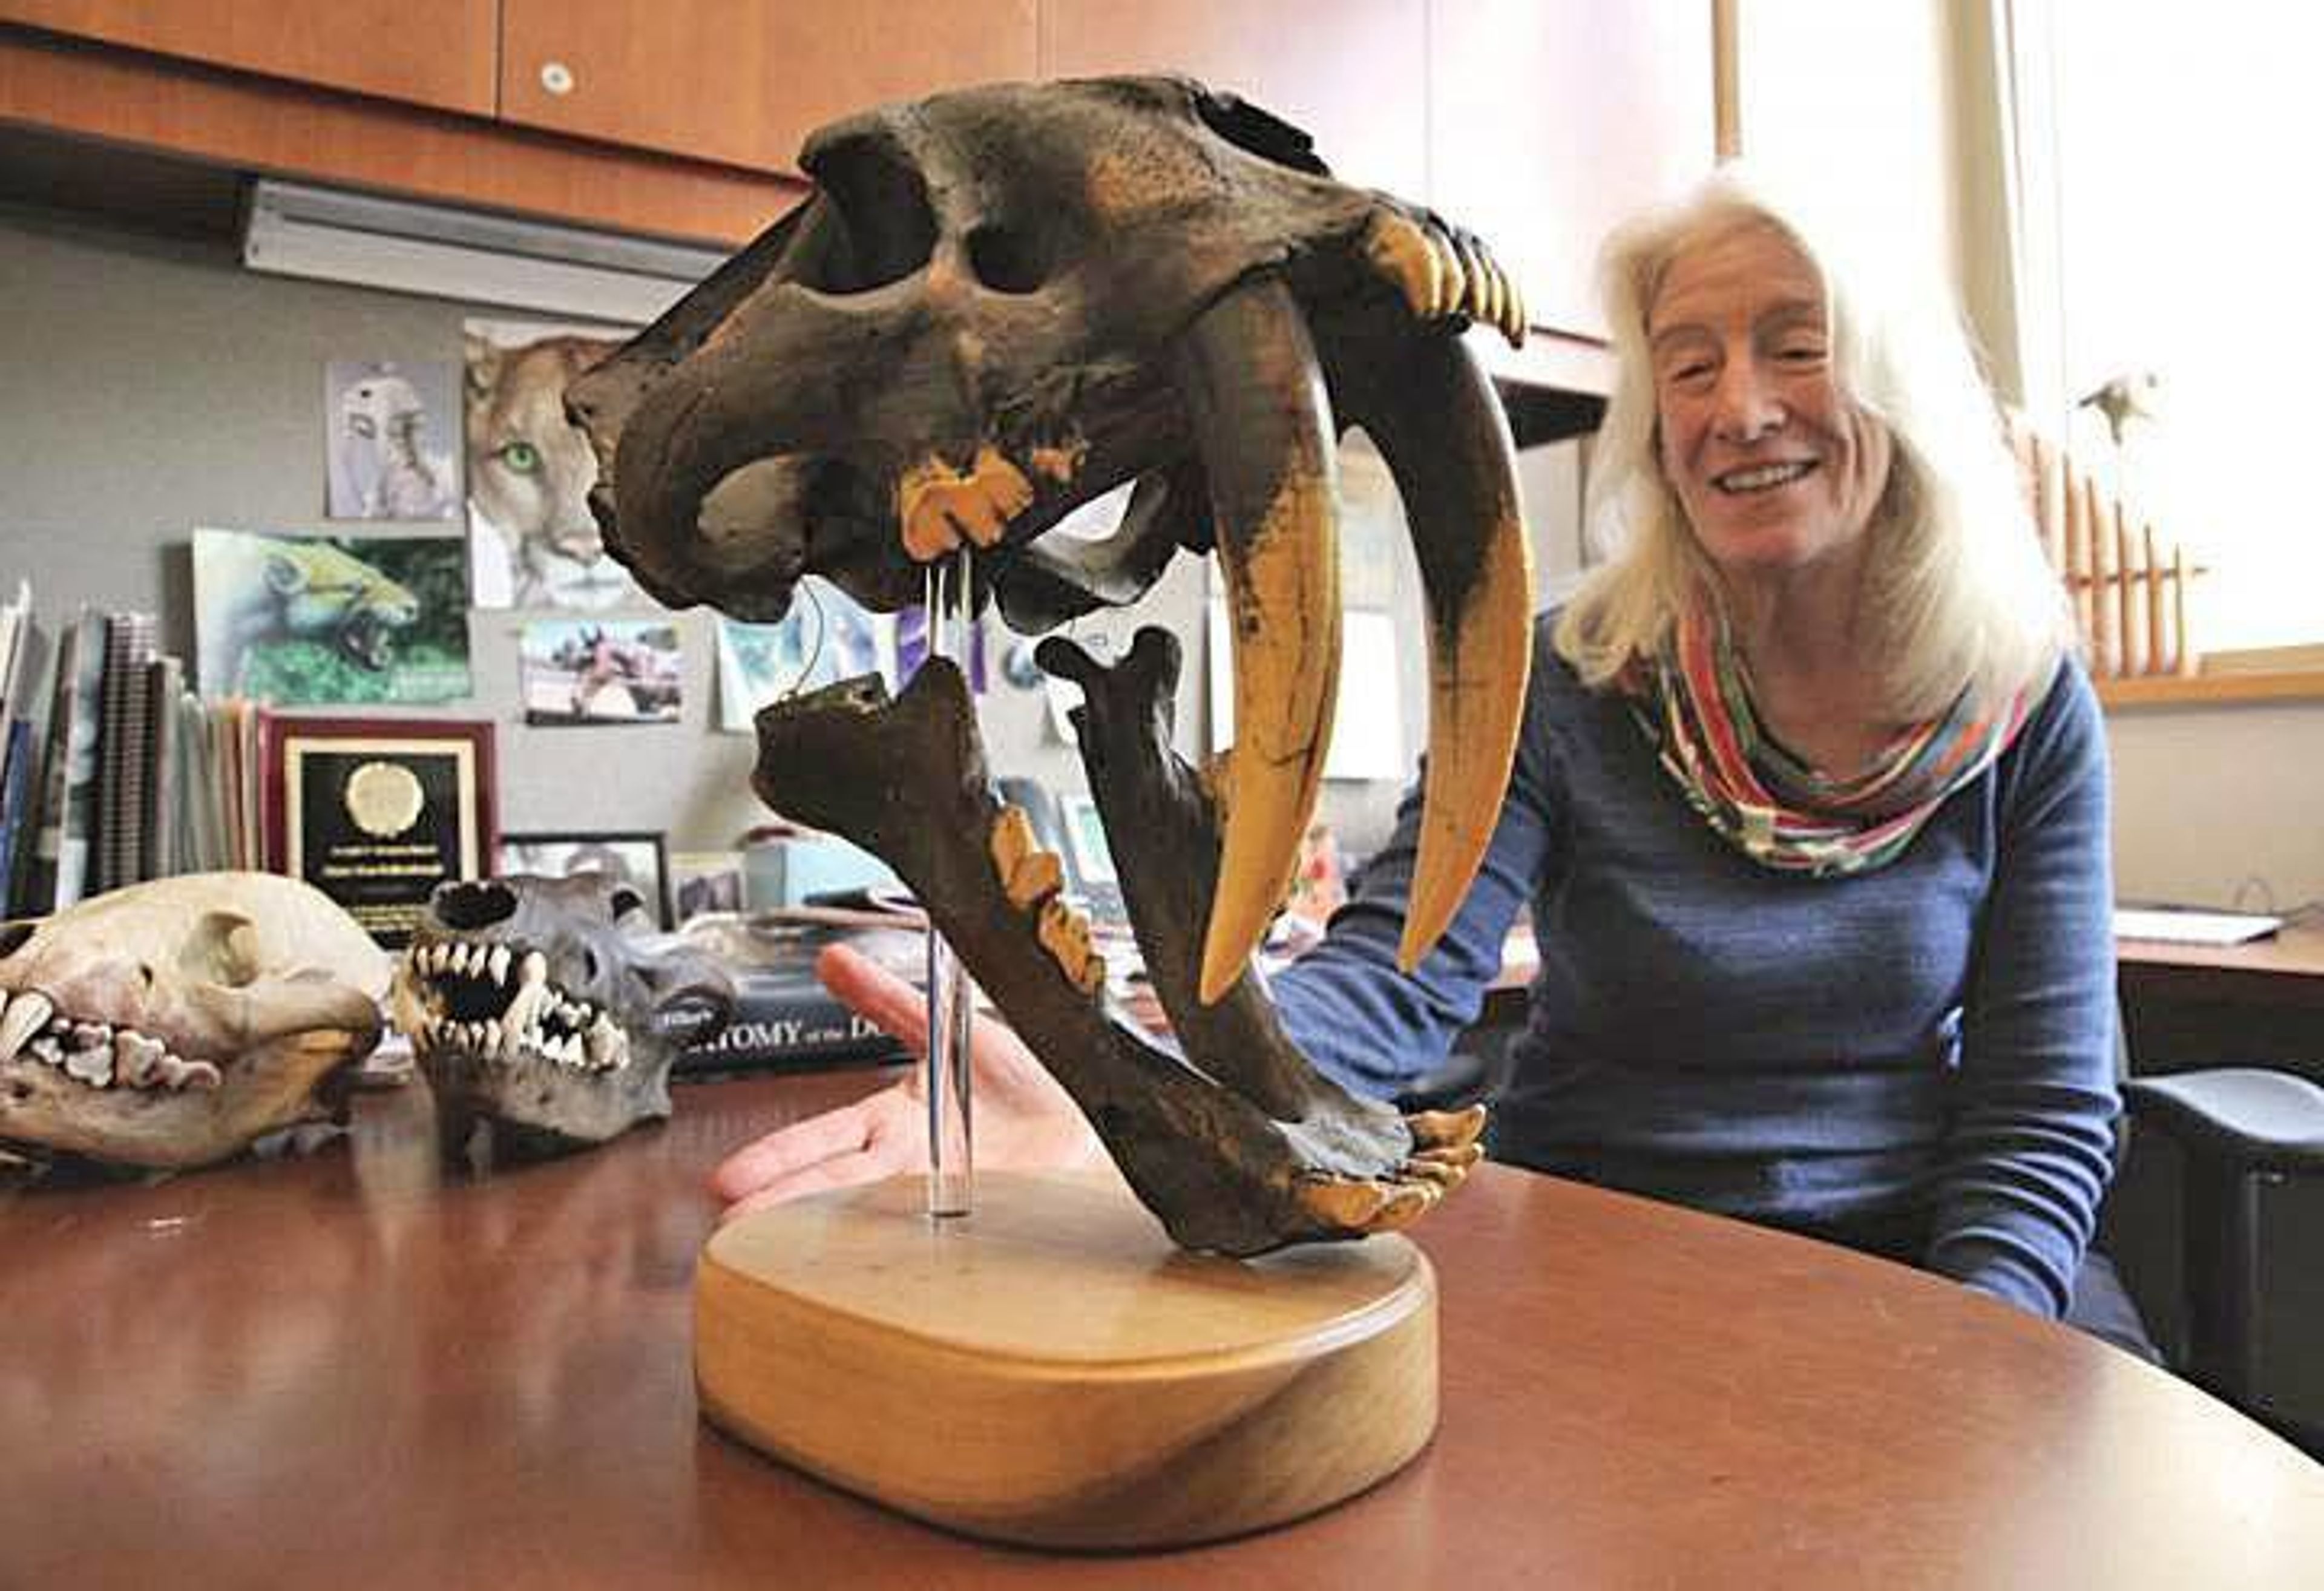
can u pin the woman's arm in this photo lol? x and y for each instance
(1372, 1028)
(2030, 1149)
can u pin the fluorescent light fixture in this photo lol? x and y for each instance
(465, 254)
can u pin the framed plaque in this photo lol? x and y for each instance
(376, 811)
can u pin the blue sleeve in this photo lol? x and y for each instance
(1372, 1028)
(2030, 1147)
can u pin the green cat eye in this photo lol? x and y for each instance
(520, 456)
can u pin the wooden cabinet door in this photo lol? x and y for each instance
(739, 81)
(1551, 120)
(1353, 73)
(432, 52)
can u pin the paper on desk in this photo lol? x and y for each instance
(2192, 927)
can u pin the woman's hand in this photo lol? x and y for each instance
(1021, 1118)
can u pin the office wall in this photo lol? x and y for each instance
(154, 386)
(2220, 806)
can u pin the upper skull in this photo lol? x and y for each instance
(999, 304)
(963, 334)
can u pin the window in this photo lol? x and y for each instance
(2167, 157)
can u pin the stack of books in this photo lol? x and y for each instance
(111, 771)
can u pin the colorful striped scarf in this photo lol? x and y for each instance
(1695, 705)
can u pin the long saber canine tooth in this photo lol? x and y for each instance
(1437, 423)
(27, 1014)
(1255, 401)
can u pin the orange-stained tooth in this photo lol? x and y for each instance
(936, 505)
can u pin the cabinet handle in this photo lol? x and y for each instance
(556, 78)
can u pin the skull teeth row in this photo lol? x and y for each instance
(590, 1041)
(96, 1054)
(603, 1048)
(473, 960)
(1443, 275)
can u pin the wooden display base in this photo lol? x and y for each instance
(1052, 1370)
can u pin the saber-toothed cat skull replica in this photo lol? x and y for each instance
(549, 1010)
(996, 306)
(170, 1024)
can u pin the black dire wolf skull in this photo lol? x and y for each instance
(996, 306)
(551, 1010)
(172, 1023)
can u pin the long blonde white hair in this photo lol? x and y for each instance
(1960, 591)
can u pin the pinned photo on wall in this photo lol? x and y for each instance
(533, 539)
(390, 453)
(310, 621)
(577, 671)
(826, 636)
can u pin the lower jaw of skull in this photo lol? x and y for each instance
(291, 1081)
(535, 1104)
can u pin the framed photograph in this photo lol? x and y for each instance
(347, 620)
(602, 671)
(376, 811)
(634, 859)
(703, 881)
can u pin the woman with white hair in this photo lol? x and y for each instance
(1810, 807)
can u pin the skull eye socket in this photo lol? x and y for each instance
(626, 901)
(887, 230)
(1008, 261)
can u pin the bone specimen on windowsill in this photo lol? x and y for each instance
(172, 1023)
(546, 1013)
(996, 306)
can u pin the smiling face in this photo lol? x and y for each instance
(1778, 470)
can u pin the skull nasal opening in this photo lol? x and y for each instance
(474, 905)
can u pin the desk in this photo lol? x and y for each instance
(2195, 1004)
(347, 1371)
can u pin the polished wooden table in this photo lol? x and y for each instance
(351, 1371)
